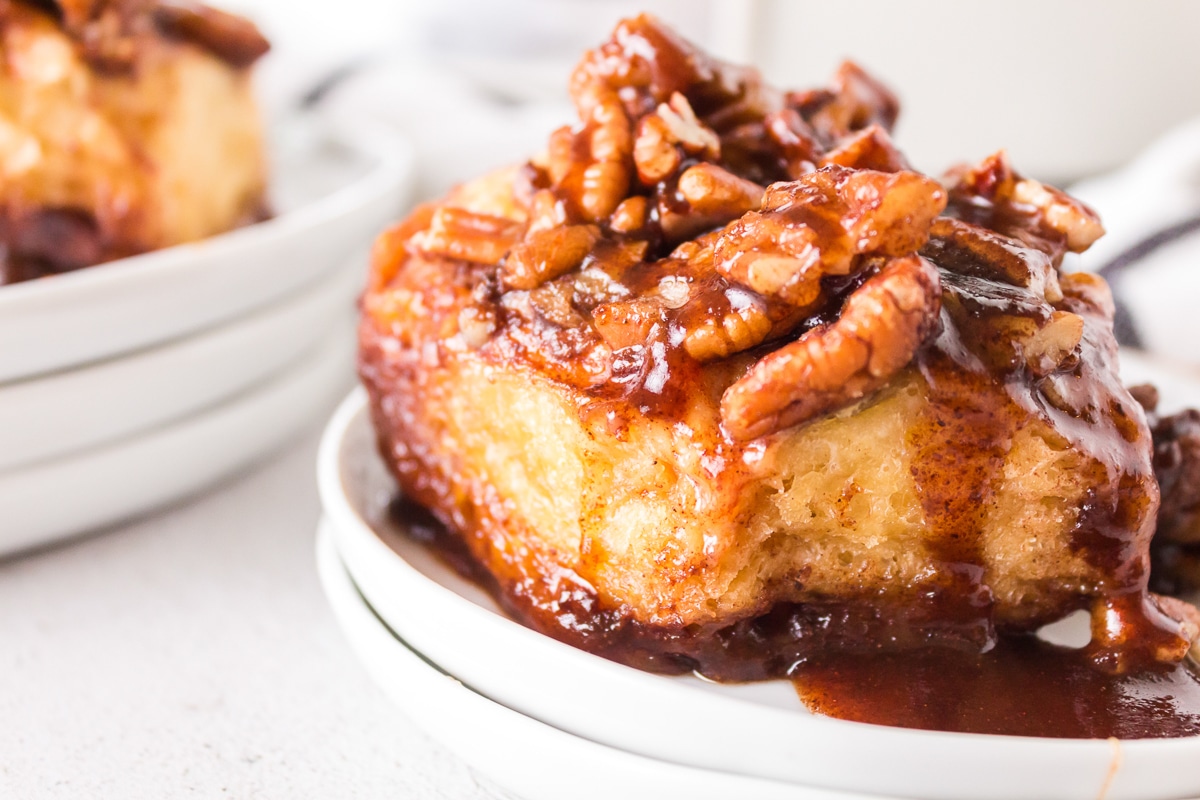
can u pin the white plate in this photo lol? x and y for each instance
(53, 415)
(526, 757)
(758, 729)
(102, 486)
(333, 195)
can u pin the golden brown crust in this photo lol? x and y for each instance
(714, 367)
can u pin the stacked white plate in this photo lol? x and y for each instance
(130, 384)
(545, 720)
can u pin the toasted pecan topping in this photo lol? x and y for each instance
(993, 195)
(695, 214)
(461, 234)
(822, 225)
(879, 330)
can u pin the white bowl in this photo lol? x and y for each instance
(52, 415)
(758, 729)
(526, 757)
(333, 195)
(102, 486)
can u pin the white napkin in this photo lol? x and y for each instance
(1151, 253)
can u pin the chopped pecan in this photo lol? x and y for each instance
(592, 165)
(856, 102)
(655, 155)
(794, 140)
(552, 301)
(665, 136)
(746, 324)
(546, 211)
(972, 250)
(1052, 344)
(456, 233)
(684, 129)
(821, 224)
(627, 323)
(993, 195)
(717, 193)
(1092, 290)
(1177, 467)
(476, 325)
(1061, 213)
(232, 38)
(870, 148)
(630, 215)
(547, 254)
(880, 328)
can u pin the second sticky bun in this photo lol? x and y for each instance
(125, 126)
(719, 381)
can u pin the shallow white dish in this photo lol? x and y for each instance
(331, 196)
(53, 415)
(760, 729)
(85, 491)
(521, 754)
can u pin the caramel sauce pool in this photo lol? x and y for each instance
(1023, 687)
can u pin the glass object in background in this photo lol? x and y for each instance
(1069, 87)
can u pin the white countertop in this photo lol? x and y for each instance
(192, 654)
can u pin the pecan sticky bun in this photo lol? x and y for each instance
(719, 381)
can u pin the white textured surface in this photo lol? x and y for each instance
(192, 654)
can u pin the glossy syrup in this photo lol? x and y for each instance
(1023, 687)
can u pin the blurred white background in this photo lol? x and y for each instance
(1070, 87)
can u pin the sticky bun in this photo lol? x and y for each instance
(719, 381)
(125, 126)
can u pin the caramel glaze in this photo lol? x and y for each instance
(981, 391)
(1023, 687)
(983, 387)
(974, 410)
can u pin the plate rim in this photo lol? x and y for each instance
(346, 600)
(134, 373)
(104, 311)
(321, 371)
